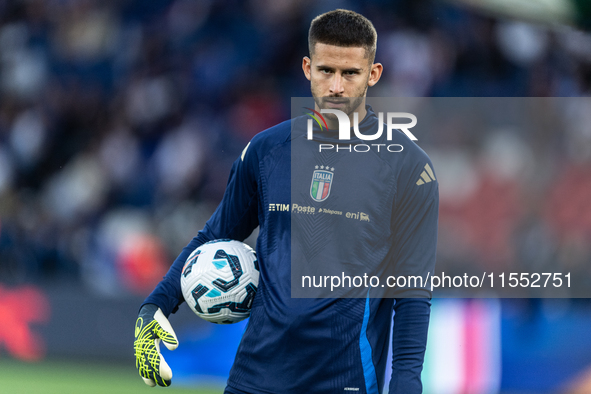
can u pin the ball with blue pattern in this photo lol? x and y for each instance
(219, 281)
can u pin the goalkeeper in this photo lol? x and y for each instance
(302, 345)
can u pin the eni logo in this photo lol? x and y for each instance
(361, 216)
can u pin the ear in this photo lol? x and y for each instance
(375, 74)
(307, 66)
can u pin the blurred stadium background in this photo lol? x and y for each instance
(119, 121)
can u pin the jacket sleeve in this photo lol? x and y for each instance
(235, 218)
(415, 220)
(415, 225)
(409, 341)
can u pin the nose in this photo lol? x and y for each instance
(336, 87)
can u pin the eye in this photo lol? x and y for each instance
(350, 72)
(325, 71)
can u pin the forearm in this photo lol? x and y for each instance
(167, 295)
(409, 341)
(235, 218)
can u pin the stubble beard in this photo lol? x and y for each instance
(351, 103)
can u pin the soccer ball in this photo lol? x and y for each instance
(220, 279)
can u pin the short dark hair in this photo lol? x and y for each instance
(343, 28)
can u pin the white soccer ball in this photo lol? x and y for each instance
(219, 281)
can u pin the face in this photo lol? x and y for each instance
(340, 76)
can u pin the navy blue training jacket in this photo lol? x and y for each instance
(283, 183)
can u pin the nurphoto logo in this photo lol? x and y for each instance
(345, 130)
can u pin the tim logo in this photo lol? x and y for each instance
(321, 183)
(345, 124)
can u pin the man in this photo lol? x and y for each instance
(320, 345)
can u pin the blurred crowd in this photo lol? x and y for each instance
(119, 121)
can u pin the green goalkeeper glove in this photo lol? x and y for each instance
(152, 327)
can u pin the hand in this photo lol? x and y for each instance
(152, 327)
